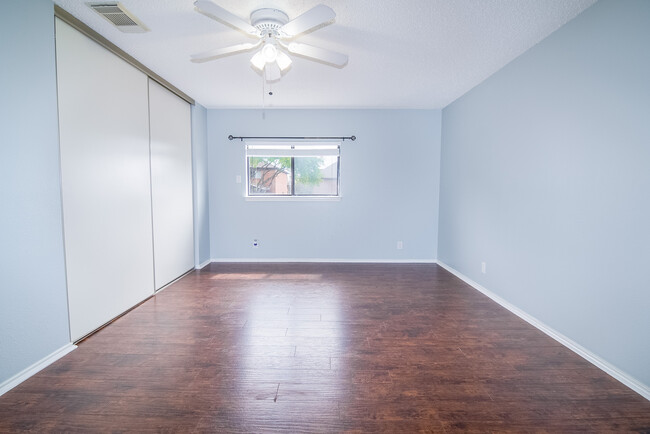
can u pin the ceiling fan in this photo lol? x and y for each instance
(275, 34)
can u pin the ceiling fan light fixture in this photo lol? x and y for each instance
(258, 61)
(272, 72)
(283, 61)
(269, 52)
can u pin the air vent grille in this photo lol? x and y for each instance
(107, 9)
(121, 18)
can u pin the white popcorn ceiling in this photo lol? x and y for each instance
(403, 54)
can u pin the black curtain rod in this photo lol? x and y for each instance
(353, 138)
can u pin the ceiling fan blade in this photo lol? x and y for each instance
(215, 11)
(313, 17)
(272, 72)
(317, 53)
(219, 52)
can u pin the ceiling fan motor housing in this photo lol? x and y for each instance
(269, 20)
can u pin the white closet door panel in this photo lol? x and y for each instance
(105, 170)
(171, 184)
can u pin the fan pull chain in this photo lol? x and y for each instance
(264, 93)
(263, 97)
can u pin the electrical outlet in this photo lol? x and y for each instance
(483, 267)
(400, 245)
(256, 243)
(238, 179)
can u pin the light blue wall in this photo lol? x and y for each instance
(200, 174)
(389, 185)
(33, 303)
(546, 177)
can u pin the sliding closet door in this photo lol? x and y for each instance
(171, 184)
(105, 170)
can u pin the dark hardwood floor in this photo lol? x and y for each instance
(322, 348)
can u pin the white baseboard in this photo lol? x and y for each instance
(199, 266)
(626, 379)
(327, 260)
(23, 375)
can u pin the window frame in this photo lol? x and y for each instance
(290, 151)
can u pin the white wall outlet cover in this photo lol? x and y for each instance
(238, 179)
(400, 245)
(483, 267)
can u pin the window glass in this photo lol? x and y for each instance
(269, 176)
(316, 175)
(281, 169)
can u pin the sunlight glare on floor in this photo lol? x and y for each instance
(267, 276)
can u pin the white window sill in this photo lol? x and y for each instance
(292, 198)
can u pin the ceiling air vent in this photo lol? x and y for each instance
(119, 16)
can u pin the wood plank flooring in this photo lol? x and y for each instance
(321, 348)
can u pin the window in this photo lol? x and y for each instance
(286, 169)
